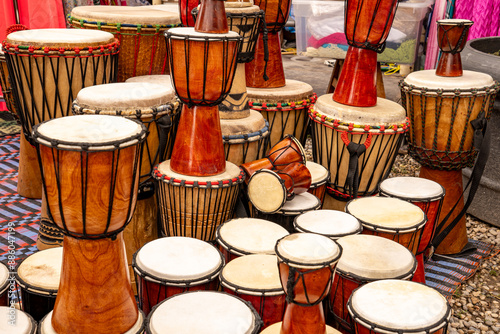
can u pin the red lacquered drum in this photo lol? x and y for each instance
(244, 236)
(427, 195)
(140, 32)
(37, 279)
(276, 329)
(14, 321)
(451, 38)
(330, 223)
(286, 214)
(194, 206)
(5, 284)
(320, 177)
(395, 306)
(306, 264)
(172, 265)
(366, 258)
(255, 278)
(203, 312)
(390, 218)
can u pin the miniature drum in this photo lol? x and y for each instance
(193, 206)
(366, 258)
(284, 108)
(14, 321)
(245, 236)
(440, 111)
(4, 285)
(451, 38)
(6, 85)
(330, 223)
(99, 153)
(38, 278)
(320, 176)
(245, 138)
(286, 214)
(208, 312)
(46, 325)
(276, 329)
(255, 279)
(391, 306)
(428, 196)
(390, 218)
(139, 30)
(377, 131)
(172, 265)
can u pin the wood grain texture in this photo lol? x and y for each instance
(212, 17)
(185, 8)
(297, 178)
(451, 37)
(94, 294)
(29, 179)
(274, 70)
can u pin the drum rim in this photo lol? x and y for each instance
(169, 35)
(386, 193)
(455, 22)
(299, 212)
(302, 229)
(280, 181)
(226, 183)
(78, 52)
(127, 26)
(448, 93)
(5, 286)
(169, 108)
(249, 137)
(34, 325)
(257, 321)
(322, 181)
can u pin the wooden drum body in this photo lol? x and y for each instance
(140, 32)
(5, 83)
(320, 177)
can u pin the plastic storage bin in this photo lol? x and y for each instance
(319, 29)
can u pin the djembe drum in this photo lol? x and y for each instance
(173, 265)
(330, 223)
(140, 31)
(255, 279)
(396, 306)
(245, 236)
(428, 196)
(306, 264)
(14, 321)
(365, 258)
(320, 177)
(37, 279)
(4, 285)
(90, 171)
(358, 145)
(452, 36)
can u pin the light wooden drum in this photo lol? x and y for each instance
(395, 306)
(245, 138)
(204, 312)
(374, 135)
(159, 79)
(245, 236)
(37, 279)
(320, 179)
(255, 279)
(4, 285)
(194, 206)
(172, 265)
(330, 223)
(14, 321)
(139, 30)
(366, 258)
(390, 218)
(284, 108)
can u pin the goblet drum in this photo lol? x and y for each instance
(140, 31)
(396, 306)
(37, 280)
(276, 329)
(245, 236)
(452, 36)
(203, 312)
(255, 279)
(330, 223)
(428, 196)
(365, 258)
(320, 177)
(4, 285)
(14, 321)
(173, 265)
(306, 264)
(390, 218)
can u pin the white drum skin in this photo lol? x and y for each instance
(330, 223)
(14, 321)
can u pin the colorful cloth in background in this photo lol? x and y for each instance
(70, 4)
(7, 17)
(484, 13)
(36, 14)
(432, 51)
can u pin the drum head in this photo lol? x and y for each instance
(387, 214)
(429, 80)
(250, 236)
(300, 203)
(243, 126)
(368, 257)
(293, 91)
(179, 260)
(307, 250)
(41, 271)
(403, 306)
(60, 37)
(255, 274)
(266, 191)
(4, 277)
(159, 79)
(203, 312)
(412, 189)
(330, 223)
(14, 321)
(319, 174)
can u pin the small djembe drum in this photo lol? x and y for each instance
(245, 236)
(365, 258)
(140, 31)
(330, 223)
(358, 145)
(452, 36)
(320, 177)
(23, 324)
(367, 25)
(397, 306)
(90, 171)
(306, 264)
(428, 196)
(173, 265)
(37, 279)
(4, 285)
